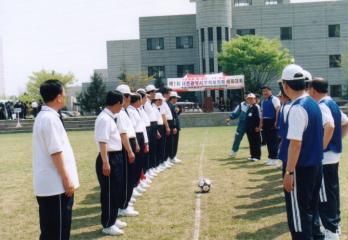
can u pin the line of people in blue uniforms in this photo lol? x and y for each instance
(303, 127)
(137, 135)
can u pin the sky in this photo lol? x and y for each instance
(70, 35)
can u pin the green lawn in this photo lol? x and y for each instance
(246, 200)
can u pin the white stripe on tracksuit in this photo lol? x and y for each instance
(295, 209)
(322, 193)
(109, 202)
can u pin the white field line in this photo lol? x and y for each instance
(198, 195)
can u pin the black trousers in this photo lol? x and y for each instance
(303, 202)
(110, 187)
(152, 135)
(169, 143)
(55, 216)
(175, 143)
(329, 207)
(161, 145)
(128, 177)
(139, 159)
(147, 155)
(254, 139)
(271, 138)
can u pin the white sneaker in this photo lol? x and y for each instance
(131, 204)
(168, 165)
(120, 224)
(169, 162)
(140, 189)
(148, 181)
(331, 236)
(113, 231)
(133, 200)
(156, 171)
(271, 162)
(233, 154)
(128, 212)
(250, 158)
(177, 160)
(136, 194)
(255, 159)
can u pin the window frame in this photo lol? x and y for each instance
(282, 35)
(160, 45)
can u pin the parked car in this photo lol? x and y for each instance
(189, 107)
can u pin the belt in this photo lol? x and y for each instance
(114, 152)
(154, 123)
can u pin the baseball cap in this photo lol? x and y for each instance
(150, 88)
(124, 89)
(159, 96)
(251, 95)
(174, 94)
(141, 90)
(293, 72)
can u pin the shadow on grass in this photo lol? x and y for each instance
(269, 232)
(88, 235)
(263, 193)
(267, 185)
(259, 213)
(262, 203)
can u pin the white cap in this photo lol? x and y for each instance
(150, 88)
(159, 96)
(141, 90)
(174, 94)
(124, 89)
(293, 72)
(251, 95)
(307, 75)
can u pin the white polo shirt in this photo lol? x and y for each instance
(298, 120)
(166, 110)
(144, 117)
(124, 124)
(106, 131)
(137, 122)
(49, 137)
(150, 111)
(158, 113)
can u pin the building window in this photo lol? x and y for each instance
(219, 38)
(286, 33)
(157, 71)
(336, 90)
(155, 43)
(210, 34)
(202, 35)
(182, 70)
(335, 61)
(204, 66)
(335, 31)
(227, 34)
(184, 42)
(243, 32)
(242, 3)
(271, 2)
(211, 65)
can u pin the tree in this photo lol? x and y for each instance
(259, 59)
(37, 78)
(93, 98)
(135, 81)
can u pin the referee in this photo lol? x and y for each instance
(302, 155)
(109, 164)
(54, 169)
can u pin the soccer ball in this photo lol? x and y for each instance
(204, 185)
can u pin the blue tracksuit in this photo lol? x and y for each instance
(241, 112)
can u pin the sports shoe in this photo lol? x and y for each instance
(331, 236)
(136, 194)
(133, 200)
(255, 159)
(168, 165)
(113, 231)
(177, 160)
(250, 158)
(140, 189)
(271, 162)
(128, 212)
(233, 154)
(148, 181)
(144, 184)
(120, 224)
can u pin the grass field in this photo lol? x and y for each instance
(246, 200)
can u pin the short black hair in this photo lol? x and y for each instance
(113, 97)
(135, 98)
(142, 94)
(50, 89)
(296, 85)
(266, 87)
(165, 90)
(319, 84)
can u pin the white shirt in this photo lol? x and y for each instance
(124, 124)
(331, 157)
(167, 111)
(298, 120)
(106, 131)
(275, 102)
(159, 112)
(34, 105)
(137, 122)
(150, 111)
(49, 137)
(144, 117)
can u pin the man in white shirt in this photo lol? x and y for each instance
(335, 125)
(168, 121)
(54, 169)
(109, 164)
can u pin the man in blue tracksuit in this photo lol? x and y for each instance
(240, 111)
(335, 126)
(302, 167)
